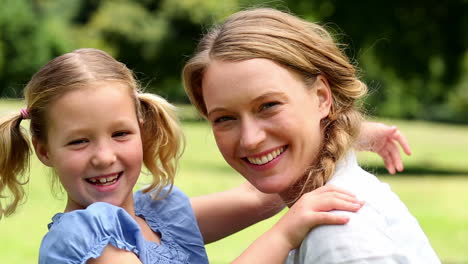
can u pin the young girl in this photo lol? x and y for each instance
(281, 99)
(90, 123)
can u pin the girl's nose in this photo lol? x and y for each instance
(252, 134)
(103, 157)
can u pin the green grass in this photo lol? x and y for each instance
(435, 191)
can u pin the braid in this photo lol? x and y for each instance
(341, 131)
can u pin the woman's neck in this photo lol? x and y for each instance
(296, 190)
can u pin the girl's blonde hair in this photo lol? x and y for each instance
(304, 47)
(160, 131)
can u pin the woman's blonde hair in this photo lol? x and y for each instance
(160, 131)
(304, 47)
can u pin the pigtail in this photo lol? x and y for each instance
(162, 140)
(14, 161)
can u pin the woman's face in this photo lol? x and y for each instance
(265, 120)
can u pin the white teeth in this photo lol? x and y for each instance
(266, 158)
(270, 157)
(104, 181)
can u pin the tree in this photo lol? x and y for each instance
(413, 50)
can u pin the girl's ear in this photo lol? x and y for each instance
(41, 152)
(324, 95)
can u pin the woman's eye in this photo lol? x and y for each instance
(268, 105)
(77, 142)
(223, 119)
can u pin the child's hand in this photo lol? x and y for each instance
(312, 209)
(384, 140)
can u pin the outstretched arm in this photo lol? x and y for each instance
(311, 210)
(224, 213)
(386, 141)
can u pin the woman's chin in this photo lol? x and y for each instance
(270, 188)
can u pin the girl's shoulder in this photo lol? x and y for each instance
(169, 203)
(77, 236)
(172, 216)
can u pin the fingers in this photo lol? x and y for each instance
(346, 198)
(338, 201)
(395, 156)
(393, 160)
(327, 201)
(326, 218)
(388, 161)
(401, 139)
(331, 188)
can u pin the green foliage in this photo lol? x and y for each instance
(23, 48)
(413, 54)
(417, 50)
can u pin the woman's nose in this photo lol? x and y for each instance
(252, 134)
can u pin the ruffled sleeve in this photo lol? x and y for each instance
(174, 219)
(77, 236)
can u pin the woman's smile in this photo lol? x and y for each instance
(265, 157)
(265, 119)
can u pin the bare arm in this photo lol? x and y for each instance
(385, 141)
(111, 254)
(224, 213)
(310, 210)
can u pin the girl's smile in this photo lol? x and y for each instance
(94, 145)
(105, 183)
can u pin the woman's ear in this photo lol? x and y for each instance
(41, 152)
(324, 95)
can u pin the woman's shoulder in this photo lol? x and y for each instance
(344, 243)
(83, 234)
(371, 233)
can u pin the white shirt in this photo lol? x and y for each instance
(382, 231)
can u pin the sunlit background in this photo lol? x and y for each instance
(412, 54)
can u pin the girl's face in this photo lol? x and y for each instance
(265, 120)
(94, 145)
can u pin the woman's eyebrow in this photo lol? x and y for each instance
(267, 95)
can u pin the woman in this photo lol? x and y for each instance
(282, 101)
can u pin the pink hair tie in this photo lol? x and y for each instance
(24, 113)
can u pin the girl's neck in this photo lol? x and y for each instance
(127, 206)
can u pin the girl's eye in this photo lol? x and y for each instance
(223, 119)
(120, 134)
(268, 105)
(77, 142)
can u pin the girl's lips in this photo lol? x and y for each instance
(105, 183)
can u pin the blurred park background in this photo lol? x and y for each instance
(412, 54)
